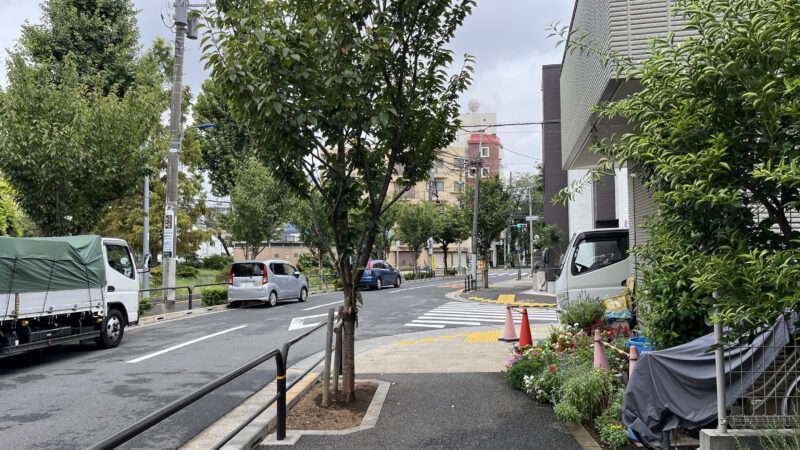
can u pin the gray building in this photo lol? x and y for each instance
(553, 175)
(622, 27)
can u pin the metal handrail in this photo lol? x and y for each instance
(156, 417)
(175, 288)
(281, 360)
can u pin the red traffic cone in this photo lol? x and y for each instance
(509, 334)
(600, 357)
(525, 330)
(632, 360)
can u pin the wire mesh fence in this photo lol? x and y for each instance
(770, 366)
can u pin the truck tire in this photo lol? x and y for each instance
(112, 329)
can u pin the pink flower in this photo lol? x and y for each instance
(539, 391)
(541, 379)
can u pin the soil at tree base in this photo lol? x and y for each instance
(308, 414)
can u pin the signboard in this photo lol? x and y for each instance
(169, 232)
(430, 245)
(529, 218)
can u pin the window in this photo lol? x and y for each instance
(458, 186)
(277, 255)
(378, 265)
(241, 270)
(440, 186)
(277, 268)
(288, 269)
(458, 162)
(597, 252)
(471, 172)
(119, 259)
(484, 172)
(440, 164)
(484, 152)
(258, 270)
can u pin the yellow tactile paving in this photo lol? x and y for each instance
(506, 298)
(478, 336)
(503, 298)
(483, 336)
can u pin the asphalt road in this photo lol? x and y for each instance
(76, 395)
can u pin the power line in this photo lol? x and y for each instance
(510, 124)
(521, 154)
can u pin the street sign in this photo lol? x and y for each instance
(529, 218)
(169, 233)
(430, 245)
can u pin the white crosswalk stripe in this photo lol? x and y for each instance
(474, 314)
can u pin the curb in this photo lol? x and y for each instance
(180, 314)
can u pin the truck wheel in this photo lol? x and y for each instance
(112, 329)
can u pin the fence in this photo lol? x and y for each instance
(759, 380)
(281, 357)
(190, 298)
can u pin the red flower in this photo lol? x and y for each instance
(552, 369)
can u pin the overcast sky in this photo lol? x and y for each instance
(508, 39)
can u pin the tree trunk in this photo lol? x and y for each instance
(444, 249)
(349, 320)
(224, 245)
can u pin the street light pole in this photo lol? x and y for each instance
(146, 236)
(530, 228)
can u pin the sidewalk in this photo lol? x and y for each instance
(446, 392)
(522, 290)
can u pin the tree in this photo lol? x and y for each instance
(125, 217)
(385, 235)
(303, 220)
(74, 137)
(714, 137)
(338, 95)
(10, 223)
(526, 191)
(415, 225)
(450, 228)
(99, 36)
(494, 207)
(226, 146)
(260, 207)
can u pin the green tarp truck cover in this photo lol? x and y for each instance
(51, 264)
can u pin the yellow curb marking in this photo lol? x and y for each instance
(295, 390)
(407, 343)
(428, 340)
(446, 337)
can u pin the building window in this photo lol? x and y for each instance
(277, 255)
(440, 186)
(458, 186)
(458, 163)
(471, 172)
(440, 164)
(484, 152)
(484, 172)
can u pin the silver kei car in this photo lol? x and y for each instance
(266, 281)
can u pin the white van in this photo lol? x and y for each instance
(595, 265)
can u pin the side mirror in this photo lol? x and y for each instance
(148, 261)
(297, 274)
(546, 257)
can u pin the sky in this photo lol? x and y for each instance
(507, 38)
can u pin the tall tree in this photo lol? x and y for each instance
(99, 36)
(260, 208)
(226, 146)
(337, 95)
(450, 228)
(714, 137)
(386, 234)
(494, 207)
(415, 225)
(526, 199)
(303, 219)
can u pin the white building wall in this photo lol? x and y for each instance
(621, 197)
(581, 207)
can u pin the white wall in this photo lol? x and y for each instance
(621, 197)
(581, 216)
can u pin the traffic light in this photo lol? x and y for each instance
(521, 225)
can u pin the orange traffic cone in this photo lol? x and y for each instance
(600, 357)
(525, 330)
(633, 358)
(509, 334)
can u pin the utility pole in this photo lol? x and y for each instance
(146, 236)
(431, 189)
(530, 227)
(173, 156)
(478, 163)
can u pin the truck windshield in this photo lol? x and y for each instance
(596, 252)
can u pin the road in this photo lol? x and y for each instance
(73, 396)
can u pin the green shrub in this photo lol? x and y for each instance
(192, 261)
(337, 283)
(614, 409)
(215, 295)
(615, 436)
(145, 305)
(155, 276)
(583, 313)
(567, 413)
(223, 275)
(307, 263)
(184, 271)
(532, 363)
(451, 272)
(589, 393)
(217, 262)
(409, 276)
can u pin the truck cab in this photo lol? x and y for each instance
(595, 265)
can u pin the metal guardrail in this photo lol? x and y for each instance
(175, 288)
(281, 359)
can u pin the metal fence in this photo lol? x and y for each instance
(281, 358)
(773, 399)
(190, 298)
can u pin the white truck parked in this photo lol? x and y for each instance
(65, 290)
(595, 265)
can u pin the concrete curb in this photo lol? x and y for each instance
(180, 314)
(369, 420)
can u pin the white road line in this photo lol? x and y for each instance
(322, 306)
(194, 341)
(424, 325)
(449, 322)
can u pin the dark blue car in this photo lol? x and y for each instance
(379, 274)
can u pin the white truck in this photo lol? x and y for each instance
(65, 290)
(594, 265)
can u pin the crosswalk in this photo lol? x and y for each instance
(461, 314)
